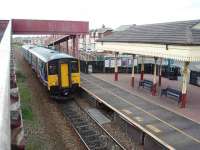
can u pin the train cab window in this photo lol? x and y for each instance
(53, 69)
(74, 66)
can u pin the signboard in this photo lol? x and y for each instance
(90, 68)
(130, 62)
(107, 63)
(124, 62)
(112, 63)
(119, 62)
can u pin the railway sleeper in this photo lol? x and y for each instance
(87, 132)
(97, 145)
(70, 112)
(81, 124)
(85, 127)
(90, 136)
(74, 117)
(83, 131)
(78, 122)
(94, 142)
(93, 137)
(101, 148)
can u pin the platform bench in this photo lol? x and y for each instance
(170, 92)
(146, 84)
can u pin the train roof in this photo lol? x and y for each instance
(45, 54)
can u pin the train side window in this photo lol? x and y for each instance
(45, 72)
(53, 69)
(74, 66)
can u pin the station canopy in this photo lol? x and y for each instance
(173, 40)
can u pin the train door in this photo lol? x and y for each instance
(64, 75)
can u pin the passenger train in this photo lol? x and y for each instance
(59, 72)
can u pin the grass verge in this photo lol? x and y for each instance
(25, 96)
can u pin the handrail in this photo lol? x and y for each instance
(5, 47)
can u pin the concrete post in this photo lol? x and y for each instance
(142, 69)
(160, 72)
(116, 67)
(154, 79)
(133, 72)
(184, 84)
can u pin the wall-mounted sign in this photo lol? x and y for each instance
(107, 63)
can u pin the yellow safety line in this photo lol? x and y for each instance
(198, 141)
(153, 128)
(127, 111)
(140, 119)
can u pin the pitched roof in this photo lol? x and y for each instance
(180, 32)
(1, 35)
(124, 27)
(101, 30)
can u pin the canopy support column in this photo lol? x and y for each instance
(184, 84)
(74, 45)
(116, 66)
(133, 72)
(67, 47)
(77, 46)
(160, 72)
(142, 69)
(154, 79)
(59, 47)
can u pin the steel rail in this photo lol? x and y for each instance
(111, 138)
(79, 135)
(102, 128)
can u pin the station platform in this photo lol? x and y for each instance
(192, 109)
(166, 127)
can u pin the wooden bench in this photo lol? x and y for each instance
(170, 92)
(146, 84)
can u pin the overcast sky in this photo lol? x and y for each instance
(112, 13)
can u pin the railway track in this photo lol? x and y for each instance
(91, 133)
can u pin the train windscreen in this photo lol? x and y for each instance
(74, 66)
(53, 68)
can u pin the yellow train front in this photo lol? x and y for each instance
(59, 72)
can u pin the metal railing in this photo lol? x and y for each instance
(5, 47)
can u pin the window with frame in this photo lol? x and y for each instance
(53, 69)
(74, 66)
